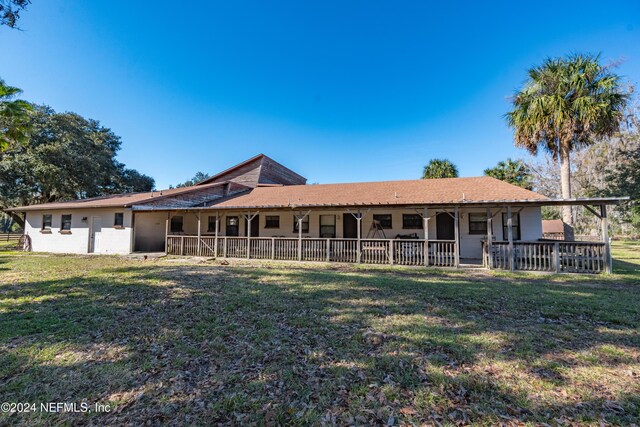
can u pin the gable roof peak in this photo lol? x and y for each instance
(257, 170)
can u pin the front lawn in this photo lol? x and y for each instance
(174, 341)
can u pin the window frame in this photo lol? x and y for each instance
(305, 225)
(270, 218)
(173, 229)
(320, 226)
(484, 230)
(44, 226)
(64, 221)
(376, 216)
(404, 222)
(517, 235)
(115, 220)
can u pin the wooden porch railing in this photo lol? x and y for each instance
(580, 257)
(441, 253)
(575, 257)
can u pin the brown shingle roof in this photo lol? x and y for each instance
(421, 191)
(115, 200)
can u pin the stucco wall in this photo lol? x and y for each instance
(111, 240)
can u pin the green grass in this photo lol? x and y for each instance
(7, 245)
(171, 341)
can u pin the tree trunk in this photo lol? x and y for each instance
(565, 183)
(18, 218)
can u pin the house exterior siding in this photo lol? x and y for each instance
(112, 240)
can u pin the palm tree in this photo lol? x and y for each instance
(567, 103)
(439, 168)
(514, 172)
(14, 117)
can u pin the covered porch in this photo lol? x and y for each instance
(354, 235)
(513, 249)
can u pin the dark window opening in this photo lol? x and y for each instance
(328, 226)
(233, 228)
(272, 221)
(46, 222)
(305, 224)
(412, 221)
(477, 223)
(118, 220)
(211, 224)
(384, 220)
(176, 224)
(515, 225)
(66, 223)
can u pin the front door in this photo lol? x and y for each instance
(255, 226)
(445, 227)
(349, 226)
(94, 236)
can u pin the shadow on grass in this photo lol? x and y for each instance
(632, 270)
(297, 345)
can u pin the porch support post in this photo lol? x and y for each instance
(300, 218)
(215, 239)
(328, 248)
(199, 235)
(358, 216)
(456, 230)
(512, 266)
(248, 218)
(604, 223)
(166, 234)
(224, 247)
(489, 239)
(359, 253)
(273, 248)
(425, 226)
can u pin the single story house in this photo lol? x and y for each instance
(262, 209)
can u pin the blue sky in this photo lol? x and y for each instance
(338, 91)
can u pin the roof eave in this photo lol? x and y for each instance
(460, 203)
(43, 207)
